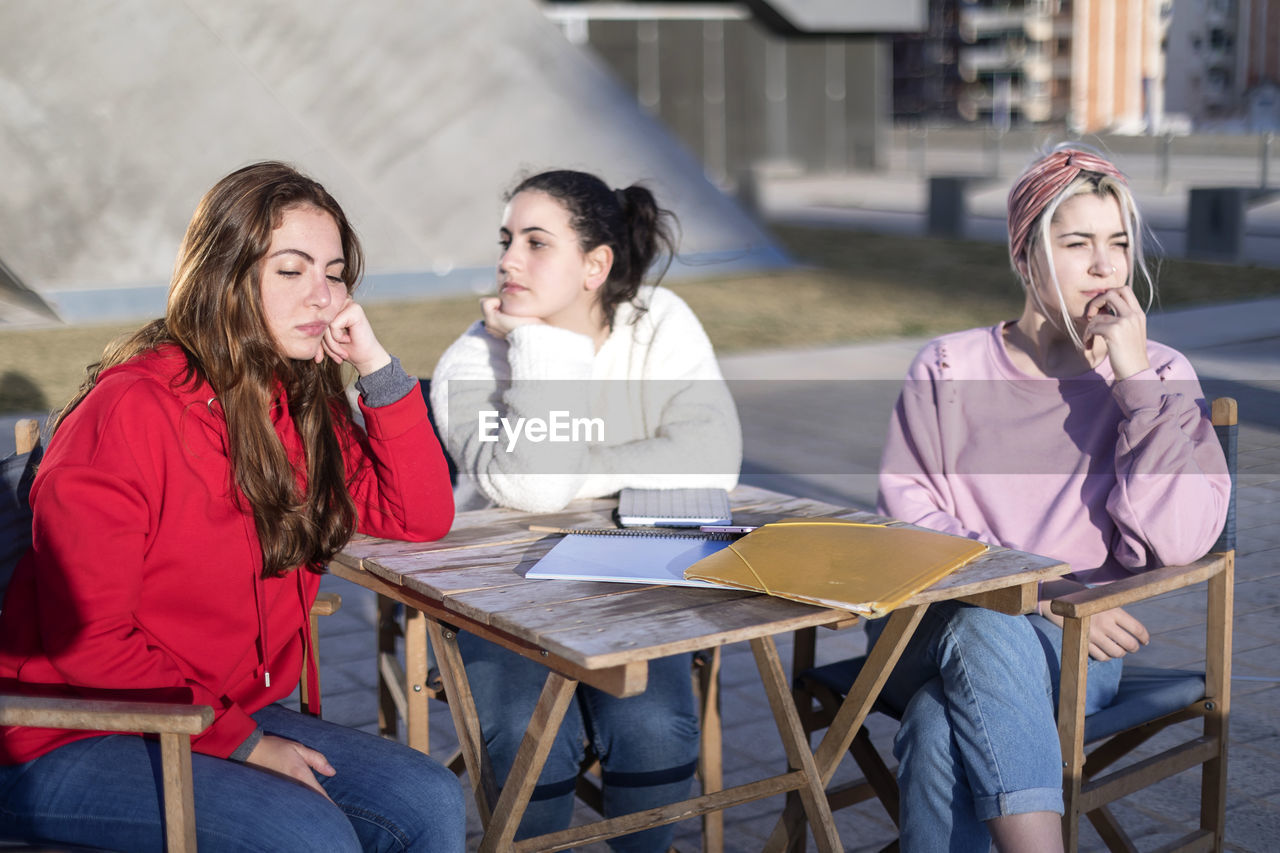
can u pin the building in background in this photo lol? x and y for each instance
(1089, 65)
(803, 84)
(748, 90)
(926, 76)
(1224, 61)
(1202, 60)
(1118, 65)
(1011, 59)
(1093, 65)
(1260, 64)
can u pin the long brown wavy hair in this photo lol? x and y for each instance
(214, 314)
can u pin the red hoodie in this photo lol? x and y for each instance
(144, 576)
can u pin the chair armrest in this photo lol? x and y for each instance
(106, 715)
(26, 435)
(326, 604)
(1087, 602)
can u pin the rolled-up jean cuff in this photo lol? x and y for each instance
(1019, 802)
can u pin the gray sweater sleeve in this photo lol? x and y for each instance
(242, 751)
(386, 386)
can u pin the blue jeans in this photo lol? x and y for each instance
(104, 791)
(978, 739)
(647, 744)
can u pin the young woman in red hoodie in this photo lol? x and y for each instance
(189, 497)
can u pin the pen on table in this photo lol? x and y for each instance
(721, 529)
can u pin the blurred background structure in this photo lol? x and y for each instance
(917, 121)
(1075, 66)
(113, 119)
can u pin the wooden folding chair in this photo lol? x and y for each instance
(1150, 699)
(173, 723)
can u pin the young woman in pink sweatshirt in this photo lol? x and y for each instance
(1065, 432)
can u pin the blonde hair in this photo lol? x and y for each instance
(1034, 199)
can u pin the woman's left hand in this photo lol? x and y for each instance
(1118, 319)
(351, 338)
(1113, 633)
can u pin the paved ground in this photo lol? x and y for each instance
(832, 452)
(1237, 351)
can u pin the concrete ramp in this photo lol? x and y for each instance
(416, 114)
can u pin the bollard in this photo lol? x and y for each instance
(1166, 143)
(1267, 139)
(1215, 223)
(946, 206)
(918, 139)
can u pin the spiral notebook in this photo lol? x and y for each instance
(630, 556)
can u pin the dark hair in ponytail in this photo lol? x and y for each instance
(628, 221)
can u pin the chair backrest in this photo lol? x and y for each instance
(1225, 416)
(17, 470)
(425, 387)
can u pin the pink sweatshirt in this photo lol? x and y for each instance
(1110, 477)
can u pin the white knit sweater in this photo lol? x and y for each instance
(670, 423)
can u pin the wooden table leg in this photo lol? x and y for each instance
(417, 711)
(812, 796)
(557, 693)
(711, 749)
(853, 712)
(466, 721)
(392, 703)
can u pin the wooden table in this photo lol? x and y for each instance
(605, 634)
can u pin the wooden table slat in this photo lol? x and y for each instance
(480, 604)
(995, 569)
(626, 603)
(713, 623)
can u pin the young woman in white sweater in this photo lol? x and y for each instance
(574, 330)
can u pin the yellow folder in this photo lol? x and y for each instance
(867, 568)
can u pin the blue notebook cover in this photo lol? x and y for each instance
(626, 559)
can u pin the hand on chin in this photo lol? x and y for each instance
(516, 303)
(500, 317)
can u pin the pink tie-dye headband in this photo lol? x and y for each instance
(1040, 185)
